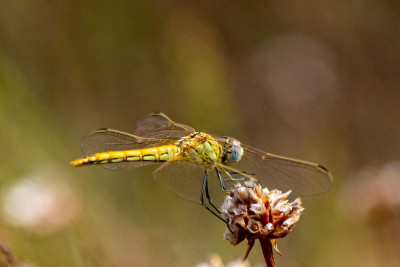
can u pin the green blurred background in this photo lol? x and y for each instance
(316, 80)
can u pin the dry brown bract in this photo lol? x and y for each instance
(256, 213)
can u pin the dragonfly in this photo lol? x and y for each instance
(196, 164)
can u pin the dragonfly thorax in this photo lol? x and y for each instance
(200, 148)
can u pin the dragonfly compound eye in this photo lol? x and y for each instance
(237, 151)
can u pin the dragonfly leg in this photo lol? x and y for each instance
(205, 191)
(231, 177)
(221, 180)
(209, 199)
(236, 179)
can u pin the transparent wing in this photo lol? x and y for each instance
(126, 166)
(104, 140)
(158, 125)
(186, 180)
(111, 140)
(273, 171)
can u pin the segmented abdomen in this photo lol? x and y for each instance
(154, 154)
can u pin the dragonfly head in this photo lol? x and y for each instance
(233, 151)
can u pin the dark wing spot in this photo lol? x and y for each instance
(323, 168)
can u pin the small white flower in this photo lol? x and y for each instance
(39, 205)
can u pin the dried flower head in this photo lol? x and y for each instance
(256, 213)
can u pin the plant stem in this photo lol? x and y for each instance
(266, 247)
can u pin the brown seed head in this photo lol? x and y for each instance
(256, 213)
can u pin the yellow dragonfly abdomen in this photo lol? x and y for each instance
(153, 154)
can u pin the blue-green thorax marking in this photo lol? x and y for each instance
(206, 150)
